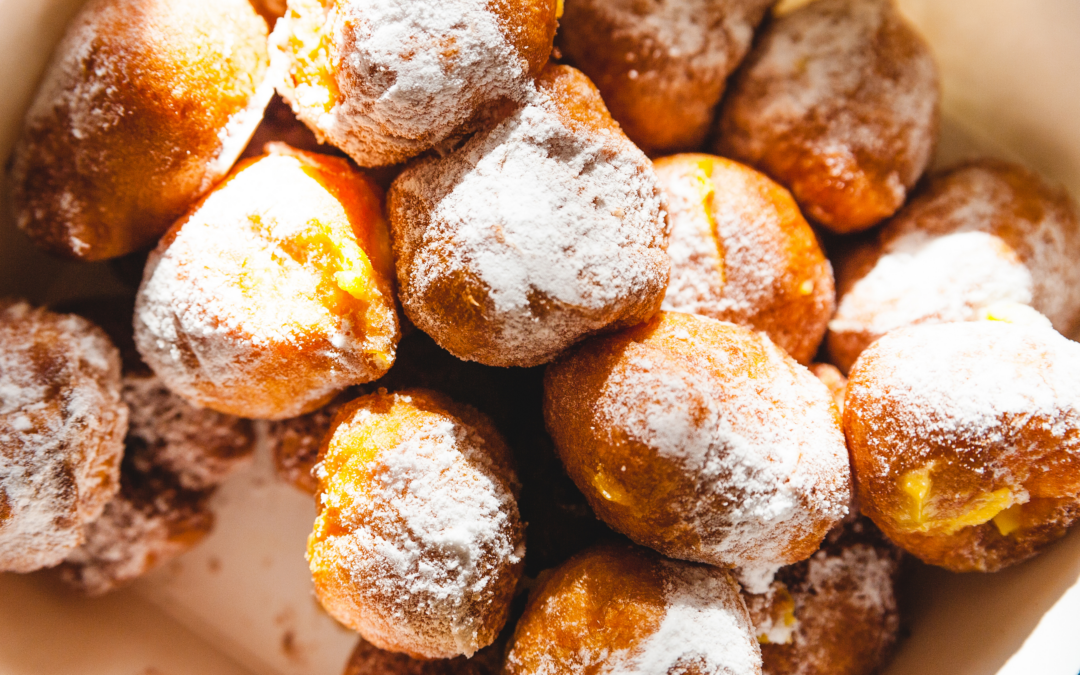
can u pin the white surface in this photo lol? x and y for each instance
(1010, 76)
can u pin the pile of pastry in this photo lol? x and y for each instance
(570, 394)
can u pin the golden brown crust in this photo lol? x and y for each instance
(418, 544)
(385, 85)
(145, 105)
(742, 252)
(311, 310)
(661, 66)
(838, 101)
(617, 608)
(683, 431)
(62, 425)
(835, 613)
(964, 440)
(495, 283)
(978, 234)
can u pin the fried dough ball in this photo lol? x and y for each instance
(617, 608)
(980, 234)
(661, 66)
(146, 104)
(701, 439)
(965, 440)
(385, 80)
(540, 231)
(62, 425)
(838, 101)
(152, 520)
(835, 613)
(367, 659)
(418, 544)
(274, 293)
(831, 376)
(742, 252)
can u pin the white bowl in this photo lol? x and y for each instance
(241, 602)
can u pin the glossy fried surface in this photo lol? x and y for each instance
(418, 544)
(495, 282)
(835, 613)
(275, 292)
(964, 440)
(146, 104)
(661, 66)
(384, 84)
(617, 608)
(742, 252)
(838, 101)
(979, 234)
(701, 439)
(62, 425)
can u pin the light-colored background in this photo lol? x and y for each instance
(241, 602)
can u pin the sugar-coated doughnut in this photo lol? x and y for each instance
(979, 234)
(620, 609)
(535, 233)
(62, 425)
(661, 66)
(367, 659)
(742, 252)
(838, 101)
(150, 521)
(146, 104)
(965, 440)
(418, 544)
(385, 80)
(275, 292)
(835, 613)
(701, 439)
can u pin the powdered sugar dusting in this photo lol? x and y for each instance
(241, 279)
(408, 72)
(736, 255)
(427, 538)
(839, 95)
(982, 234)
(924, 278)
(674, 55)
(541, 216)
(839, 604)
(770, 451)
(705, 629)
(61, 428)
(972, 386)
